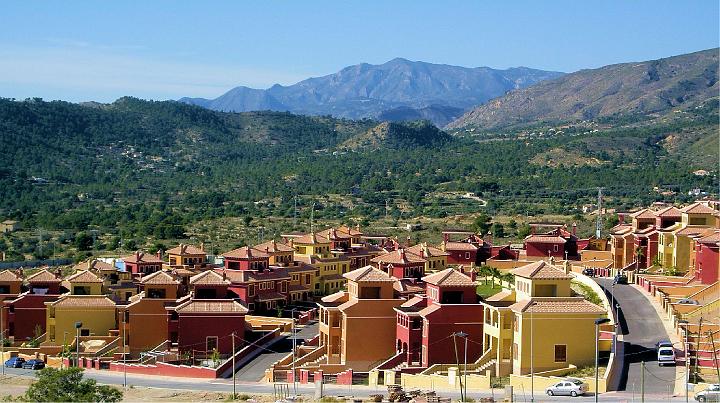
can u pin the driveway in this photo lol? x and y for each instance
(642, 328)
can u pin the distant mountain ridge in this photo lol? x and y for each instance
(437, 92)
(640, 88)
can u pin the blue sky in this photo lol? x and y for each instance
(90, 50)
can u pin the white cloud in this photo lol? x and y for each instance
(79, 71)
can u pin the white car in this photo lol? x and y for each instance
(666, 355)
(711, 394)
(568, 387)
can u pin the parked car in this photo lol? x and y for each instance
(590, 272)
(665, 356)
(14, 362)
(568, 387)
(620, 279)
(34, 364)
(663, 343)
(711, 394)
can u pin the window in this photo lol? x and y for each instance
(283, 287)
(211, 343)
(555, 248)
(467, 255)
(251, 290)
(560, 353)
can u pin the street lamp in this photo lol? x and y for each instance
(598, 322)
(65, 348)
(687, 359)
(78, 325)
(294, 340)
(464, 385)
(532, 342)
(457, 361)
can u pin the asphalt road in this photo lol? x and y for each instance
(642, 328)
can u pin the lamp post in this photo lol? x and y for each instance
(598, 322)
(532, 342)
(124, 330)
(78, 325)
(62, 362)
(463, 386)
(687, 359)
(292, 312)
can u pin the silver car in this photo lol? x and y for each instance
(568, 387)
(711, 394)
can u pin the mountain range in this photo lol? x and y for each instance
(397, 90)
(646, 88)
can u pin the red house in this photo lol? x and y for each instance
(44, 282)
(142, 263)
(261, 291)
(707, 258)
(558, 243)
(400, 265)
(202, 326)
(209, 285)
(246, 258)
(25, 315)
(472, 250)
(409, 329)
(452, 307)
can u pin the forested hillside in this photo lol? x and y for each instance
(141, 168)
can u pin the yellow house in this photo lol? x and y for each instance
(435, 258)
(675, 242)
(186, 255)
(302, 281)
(328, 273)
(521, 325)
(357, 326)
(311, 244)
(84, 283)
(96, 313)
(280, 253)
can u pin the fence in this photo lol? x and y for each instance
(34, 263)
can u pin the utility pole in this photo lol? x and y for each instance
(598, 224)
(312, 218)
(2, 340)
(457, 362)
(124, 351)
(232, 336)
(642, 382)
(598, 322)
(712, 340)
(697, 346)
(295, 211)
(293, 351)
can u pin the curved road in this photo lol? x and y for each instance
(641, 328)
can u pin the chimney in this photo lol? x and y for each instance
(224, 275)
(182, 248)
(621, 218)
(159, 254)
(267, 249)
(137, 255)
(407, 241)
(202, 246)
(445, 237)
(574, 228)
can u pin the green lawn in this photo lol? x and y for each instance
(486, 290)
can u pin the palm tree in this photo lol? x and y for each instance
(494, 273)
(639, 254)
(484, 271)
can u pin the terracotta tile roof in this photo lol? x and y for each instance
(691, 231)
(211, 306)
(94, 264)
(540, 270)
(643, 214)
(142, 257)
(208, 277)
(620, 229)
(415, 301)
(160, 277)
(670, 211)
(500, 296)
(82, 301)
(698, 208)
(311, 239)
(714, 237)
(350, 231)
(183, 272)
(424, 250)
(183, 249)
(545, 239)
(333, 234)
(300, 267)
(408, 286)
(398, 257)
(557, 305)
(273, 247)
(85, 276)
(449, 277)
(7, 276)
(340, 296)
(244, 276)
(367, 274)
(464, 246)
(246, 252)
(43, 276)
